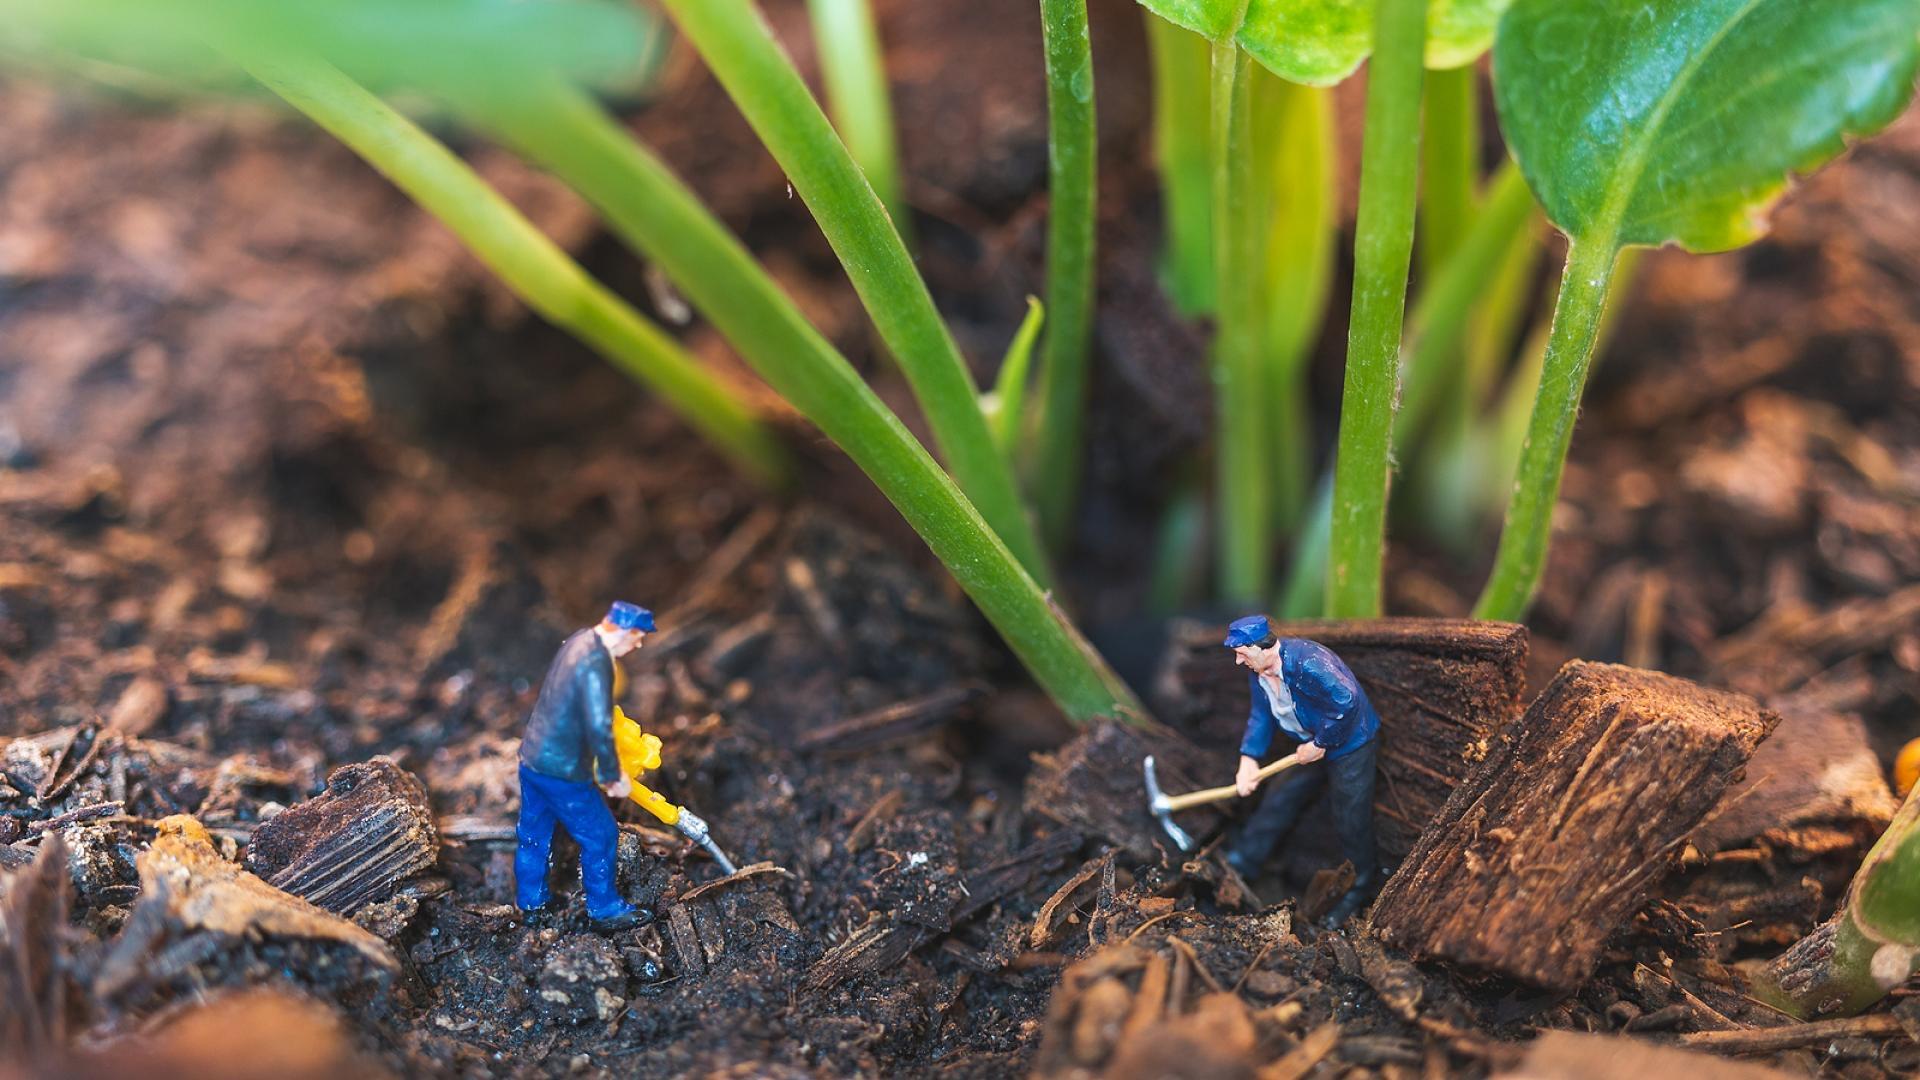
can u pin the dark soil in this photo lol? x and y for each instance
(287, 482)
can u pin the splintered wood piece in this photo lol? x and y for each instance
(1442, 687)
(1561, 833)
(1095, 784)
(352, 845)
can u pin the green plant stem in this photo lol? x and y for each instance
(1448, 490)
(1303, 594)
(1294, 169)
(1870, 946)
(740, 49)
(1177, 554)
(652, 210)
(1506, 434)
(1243, 450)
(1449, 163)
(1006, 415)
(532, 265)
(1563, 376)
(1437, 328)
(1180, 140)
(1071, 154)
(1433, 349)
(854, 69)
(1382, 250)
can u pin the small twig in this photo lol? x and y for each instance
(891, 722)
(1194, 959)
(1043, 922)
(1758, 1040)
(1306, 1054)
(754, 870)
(84, 813)
(1142, 928)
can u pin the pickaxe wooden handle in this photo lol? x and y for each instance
(1219, 794)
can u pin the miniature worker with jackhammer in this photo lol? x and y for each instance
(568, 749)
(1304, 692)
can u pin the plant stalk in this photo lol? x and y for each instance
(1449, 164)
(1382, 251)
(740, 48)
(536, 269)
(1522, 554)
(1071, 158)
(1294, 169)
(854, 69)
(1180, 141)
(652, 210)
(1243, 450)
(1437, 328)
(1870, 946)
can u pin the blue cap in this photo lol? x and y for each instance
(1251, 630)
(630, 616)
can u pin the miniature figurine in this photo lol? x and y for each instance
(1301, 690)
(568, 749)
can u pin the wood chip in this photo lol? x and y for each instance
(1043, 922)
(1561, 833)
(745, 872)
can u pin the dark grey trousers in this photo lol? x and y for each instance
(1351, 780)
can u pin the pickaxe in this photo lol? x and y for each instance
(1163, 805)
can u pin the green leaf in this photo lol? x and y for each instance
(382, 43)
(1006, 404)
(1320, 42)
(1679, 120)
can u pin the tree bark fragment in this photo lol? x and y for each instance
(1561, 833)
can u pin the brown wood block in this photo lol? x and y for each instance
(1562, 832)
(354, 844)
(1442, 688)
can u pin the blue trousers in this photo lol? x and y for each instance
(1351, 779)
(581, 809)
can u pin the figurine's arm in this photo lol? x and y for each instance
(1332, 693)
(596, 698)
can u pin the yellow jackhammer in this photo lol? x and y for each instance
(639, 753)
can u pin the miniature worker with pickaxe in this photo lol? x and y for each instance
(1302, 691)
(568, 749)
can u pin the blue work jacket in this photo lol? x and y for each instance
(1327, 701)
(570, 732)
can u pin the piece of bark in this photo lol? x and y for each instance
(34, 900)
(1097, 785)
(352, 845)
(186, 886)
(1562, 832)
(1442, 687)
(1813, 801)
(1567, 1055)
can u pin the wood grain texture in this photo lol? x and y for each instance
(1562, 832)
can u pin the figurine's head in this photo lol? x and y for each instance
(624, 628)
(1253, 643)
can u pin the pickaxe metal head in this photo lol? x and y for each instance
(1157, 802)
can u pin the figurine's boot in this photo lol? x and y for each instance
(1351, 901)
(631, 919)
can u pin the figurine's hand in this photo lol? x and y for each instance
(620, 788)
(1248, 777)
(1310, 752)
